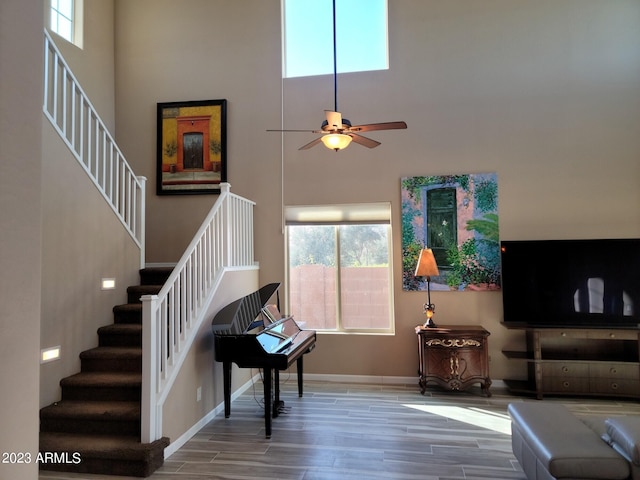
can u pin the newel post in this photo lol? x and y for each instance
(150, 423)
(142, 219)
(225, 188)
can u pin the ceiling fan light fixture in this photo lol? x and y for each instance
(336, 141)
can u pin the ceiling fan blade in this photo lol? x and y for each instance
(334, 119)
(309, 131)
(378, 126)
(311, 144)
(367, 142)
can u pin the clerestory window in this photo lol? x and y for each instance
(361, 36)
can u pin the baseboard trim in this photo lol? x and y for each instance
(375, 380)
(371, 379)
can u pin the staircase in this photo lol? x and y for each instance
(95, 428)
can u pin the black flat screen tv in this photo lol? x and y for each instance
(571, 283)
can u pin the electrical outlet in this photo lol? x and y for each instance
(199, 394)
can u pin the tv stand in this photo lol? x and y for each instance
(571, 361)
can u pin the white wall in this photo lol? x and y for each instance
(544, 92)
(20, 230)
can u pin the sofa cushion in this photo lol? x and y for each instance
(624, 435)
(564, 445)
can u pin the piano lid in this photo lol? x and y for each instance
(235, 318)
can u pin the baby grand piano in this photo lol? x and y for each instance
(245, 333)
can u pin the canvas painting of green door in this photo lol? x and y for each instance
(457, 217)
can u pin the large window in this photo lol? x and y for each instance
(339, 267)
(361, 33)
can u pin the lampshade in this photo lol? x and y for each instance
(336, 141)
(427, 266)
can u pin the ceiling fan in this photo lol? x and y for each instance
(337, 132)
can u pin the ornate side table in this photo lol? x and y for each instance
(454, 357)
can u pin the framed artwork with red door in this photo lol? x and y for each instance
(192, 147)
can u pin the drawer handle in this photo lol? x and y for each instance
(454, 364)
(564, 334)
(565, 369)
(614, 386)
(612, 335)
(565, 384)
(613, 371)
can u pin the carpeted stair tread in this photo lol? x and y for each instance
(128, 313)
(121, 334)
(111, 352)
(92, 410)
(136, 291)
(155, 275)
(103, 454)
(121, 359)
(99, 446)
(110, 386)
(92, 417)
(103, 379)
(121, 329)
(150, 289)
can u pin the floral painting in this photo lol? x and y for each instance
(457, 217)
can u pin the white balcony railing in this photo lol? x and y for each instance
(79, 125)
(171, 319)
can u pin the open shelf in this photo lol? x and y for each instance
(579, 362)
(517, 355)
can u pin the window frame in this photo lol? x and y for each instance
(76, 30)
(335, 216)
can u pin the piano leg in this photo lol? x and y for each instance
(226, 374)
(277, 404)
(299, 367)
(267, 401)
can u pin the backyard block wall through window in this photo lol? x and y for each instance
(365, 302)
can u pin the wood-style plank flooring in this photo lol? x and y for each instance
(356, 431)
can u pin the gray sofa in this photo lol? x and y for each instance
(552, 443)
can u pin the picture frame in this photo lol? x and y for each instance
(457, 217)
(191, 147)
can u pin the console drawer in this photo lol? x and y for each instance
(613, 386)
(629, 371)
(565, 384)
(565, 369)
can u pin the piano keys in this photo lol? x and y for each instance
(249, 333)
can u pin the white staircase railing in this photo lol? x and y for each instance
(76, 120)
(171, 319)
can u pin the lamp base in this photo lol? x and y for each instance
(429, 323)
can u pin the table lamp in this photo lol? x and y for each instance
(427, 267)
